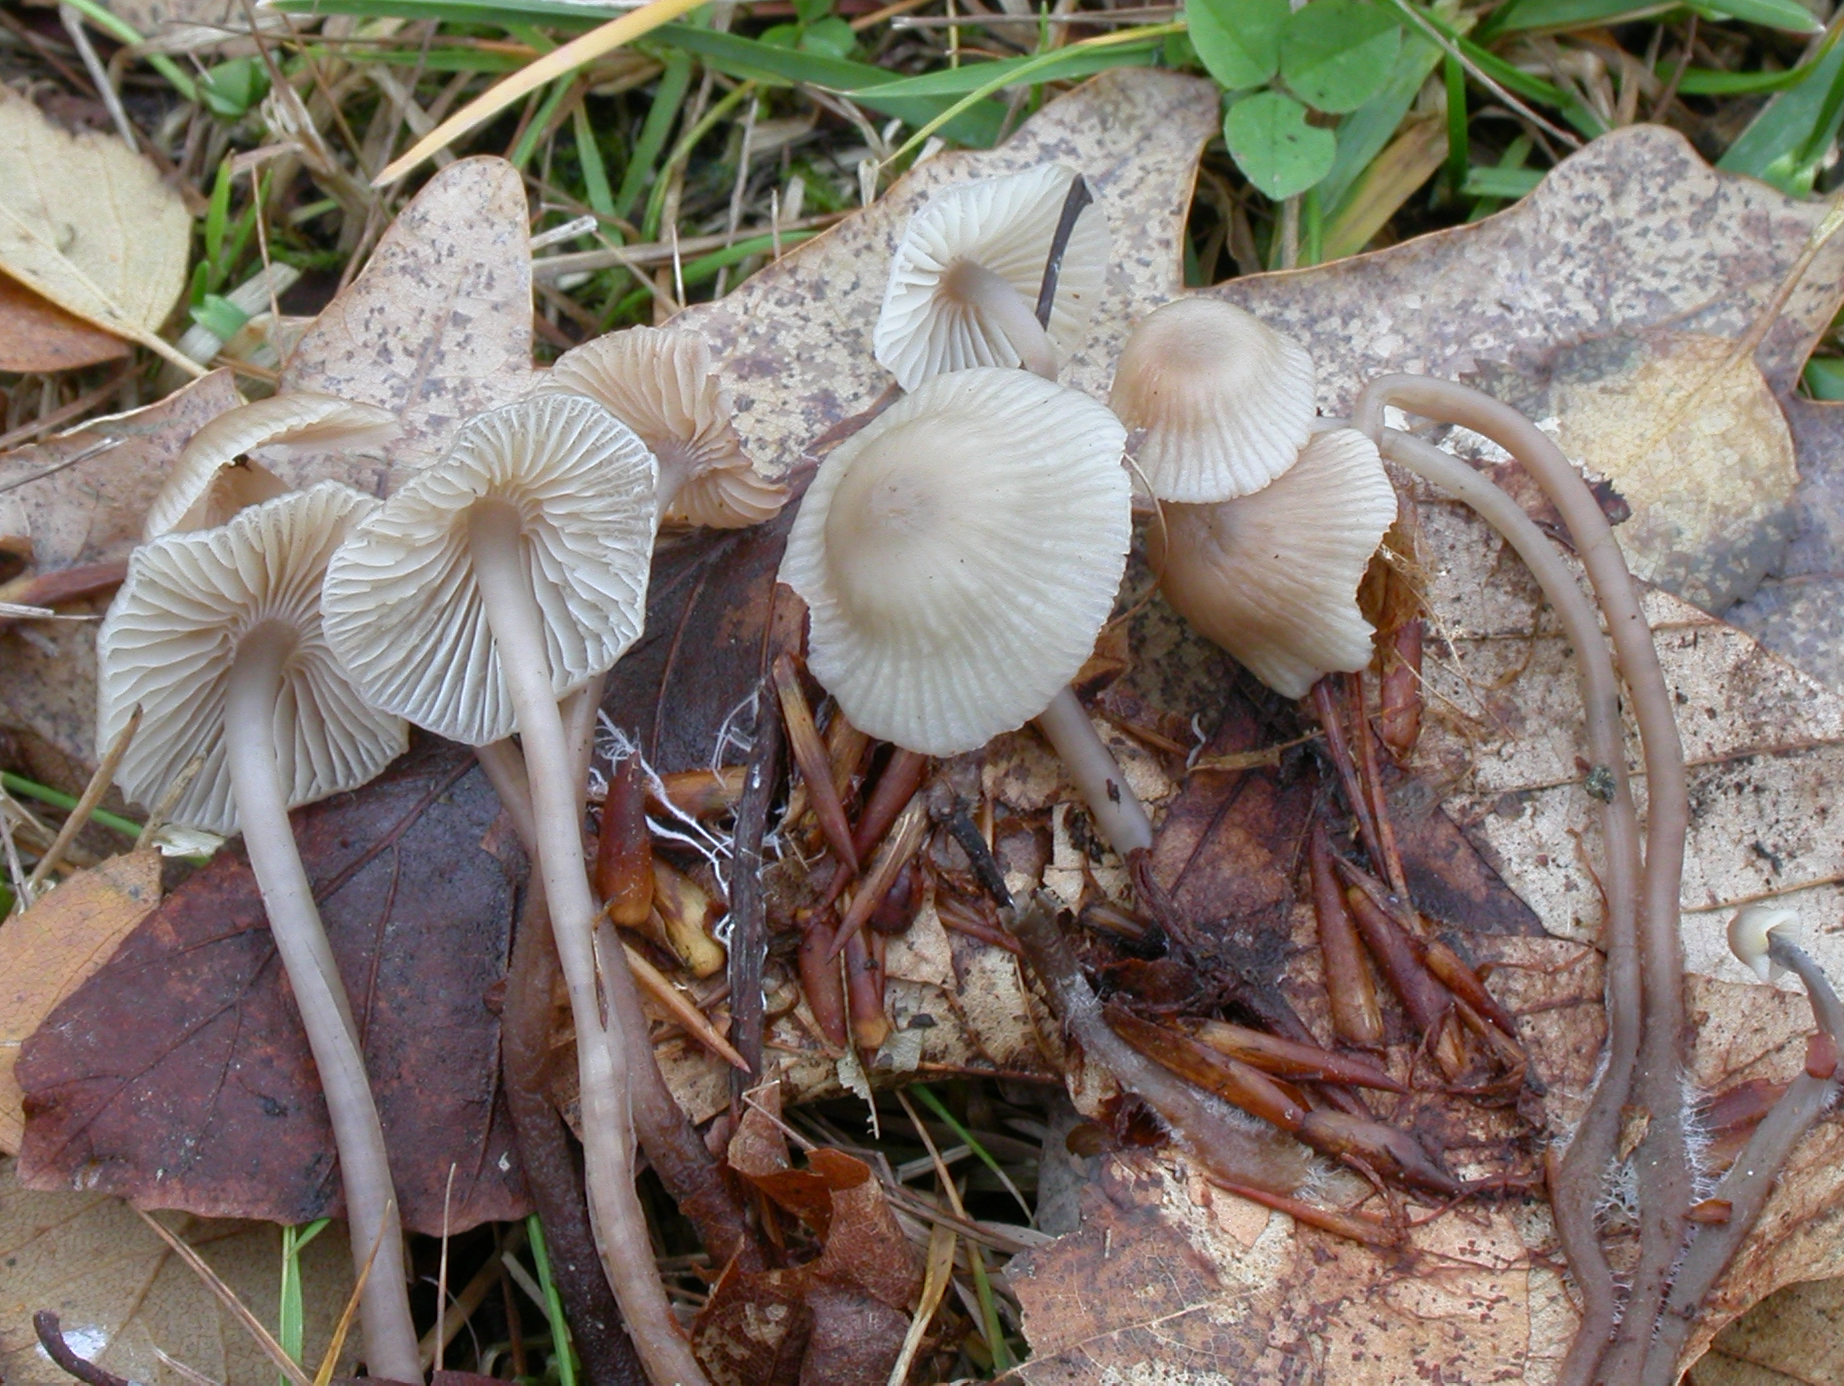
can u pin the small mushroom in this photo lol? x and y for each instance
(966, 278)
(1272, 577)
(490, 585)
(1751, 935)
(1217, 404)
(208, 484)
(659, 382)
(959, 556)
(216, 636)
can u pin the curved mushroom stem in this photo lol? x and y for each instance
(604, 1059)
(1751, 1178)
(1003, 307)
(1096, 774)
(1662, 1159)
(1579, 1178)
(262, 809)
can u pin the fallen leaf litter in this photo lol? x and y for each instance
(1494, 799)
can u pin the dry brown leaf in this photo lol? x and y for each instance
(89, 223)
(121, 1293)
(77, 499)
(37, 335)
(47, 952)
(1794, 1337)
(436, 327)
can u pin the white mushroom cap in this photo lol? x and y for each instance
(207, 485)
(1273, 577)
(960, 555)
(1216, 403)
(1748, 933)
(171, 635)
(659, 382)
(402, 607)
(1005, 225)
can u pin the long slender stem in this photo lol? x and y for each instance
(603, 1055)
(1580, 1174)
(262, 809)
(1005, 308)
(1097, 775)
(1662, 1159)
(1751, 1178)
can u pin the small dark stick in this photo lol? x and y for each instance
(1357, 1017)
(748, 911)
(985, 869)
(51, 1338)
(1077, 198)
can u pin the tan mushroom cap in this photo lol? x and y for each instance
(1216, 403)
(402, 606)
(1005, 225)
(960, 555)
(171, 635)
(1273, 577)
(208, 485)
(659, 381)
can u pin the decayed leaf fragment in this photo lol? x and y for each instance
(436, 327)
(47, 953)
(88, 223)
(37, 335)
(124, 1298)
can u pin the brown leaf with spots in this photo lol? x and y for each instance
(178, 1076)
(436, 327)
(51, 949)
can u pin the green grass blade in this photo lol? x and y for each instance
(1769, 147)
(45, 794)
(506, 14)
(1787, 15)
(667, 99)
(589, 156)
(1508, 183)
(1363, 134)
(935, 1105)
(553, 1304)
(1058, 65)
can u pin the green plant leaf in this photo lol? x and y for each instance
(831, 36)
(812, 11)
(1824, 377)
(1363, 134)
(232, 88)
(782, 35)
(1789, 15)
(1274, 147)
(1238, 41)
(1336, 54)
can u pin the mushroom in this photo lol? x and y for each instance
(966, 277)
(490, 585)
(216, 636)
(660, 383)
(208, 484)
(1272, 577)
(1751, 934)
(1217, 404)
(959, 556)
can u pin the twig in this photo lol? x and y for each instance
(51, 1339)
(105, 89)
(93, 794)
(748, 909)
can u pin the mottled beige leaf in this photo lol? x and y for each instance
(89, 223)
(47, 952)
(435, 328)
(121, 1293)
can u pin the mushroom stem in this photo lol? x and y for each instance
(502, 572)
(262, 810)
(1656, 1073)
(1005, 309)
(1096, 774)
(1750, 1179)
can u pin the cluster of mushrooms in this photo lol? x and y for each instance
(276, 644)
